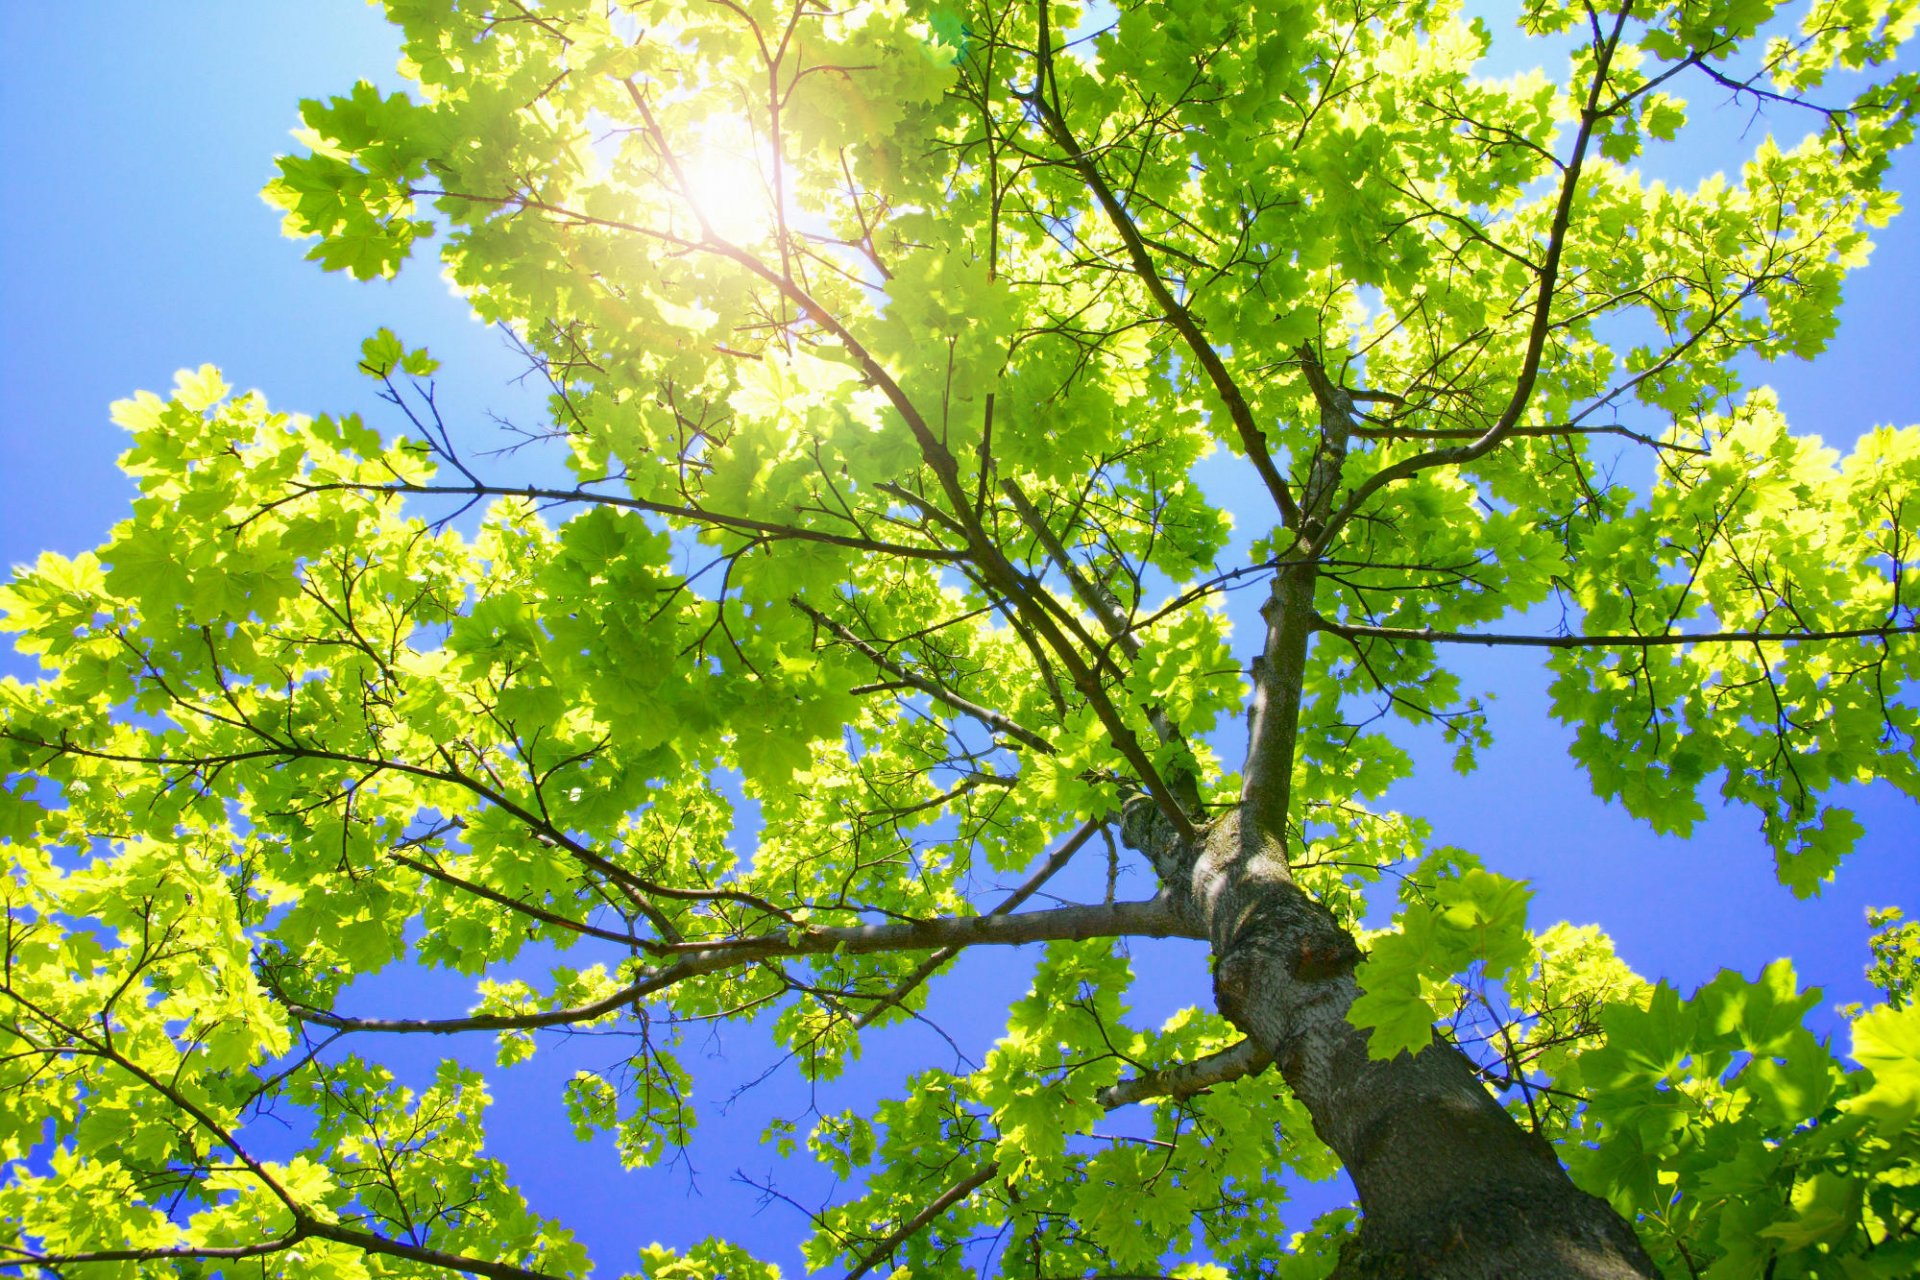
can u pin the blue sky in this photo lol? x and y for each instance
(133, 242)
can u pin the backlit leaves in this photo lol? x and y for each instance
(1740, 1138)
(904, 367)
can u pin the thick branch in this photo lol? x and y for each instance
(1280, 671)
(368, 1242)
(1154, 918)
(1184, 1079)
(1032, 885)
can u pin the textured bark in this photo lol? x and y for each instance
(1450, 1186)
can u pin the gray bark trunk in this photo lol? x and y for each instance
(1451, 1187)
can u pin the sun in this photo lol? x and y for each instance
(727, 181)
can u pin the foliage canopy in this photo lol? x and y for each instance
(886, 344)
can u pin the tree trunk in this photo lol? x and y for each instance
(1451, 1187)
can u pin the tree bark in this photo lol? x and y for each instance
(1450, 1186)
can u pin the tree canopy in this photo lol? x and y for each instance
(925, 381)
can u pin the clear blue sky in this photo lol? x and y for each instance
(133, 242)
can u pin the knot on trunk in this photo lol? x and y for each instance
(1282, 925)
(1255, 903)
(1235, 981)
(1285, 961)
(1146, 830)
(1277, 952)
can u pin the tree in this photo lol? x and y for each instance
(883, 346)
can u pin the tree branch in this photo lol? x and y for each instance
(912, 1226)
(1551, 432)
(999, 722)
(999, 575)
(1097, 602)
(1273, 719)
(1103, 606)
(368, 1242)
(305, 1228)
(1541, 324)
(1252, 441)
(20, 1257)
(514, 904)
(1184, 1079)
(1181, 1080)
(1153, 918)
(926, 969)
(586, 497)
(1349, 631)
(304, 1224)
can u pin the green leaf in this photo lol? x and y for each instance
(1886, 1041)
(949, 402)
(1825, 1207)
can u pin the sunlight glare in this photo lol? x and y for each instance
(729, 183)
